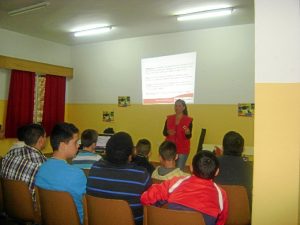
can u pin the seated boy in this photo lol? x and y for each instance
(197, 192)
(233, 169)
(167, 157)
(56, 174)
(24, 159)
(115, 177)
(143, 150)
(87, 156)
(21, 137)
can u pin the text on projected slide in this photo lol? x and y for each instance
(168, 78)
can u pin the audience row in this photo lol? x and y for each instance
(126, 174)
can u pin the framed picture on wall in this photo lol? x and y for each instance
(108, 116)
(123, 101)
(246, 109)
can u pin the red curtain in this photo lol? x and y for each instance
(20, 101)
(54, 102)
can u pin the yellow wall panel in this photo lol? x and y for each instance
(277, 152)
(147, 121)
(32, 66)
(3, 105)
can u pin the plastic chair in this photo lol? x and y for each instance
(18, 202)
(238, 203)
(85, 212)
(57, 208)
(108, 211)
(1, 191)
(1, 197)
(162, 216)
(201, 140)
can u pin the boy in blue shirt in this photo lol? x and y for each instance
(56, 174)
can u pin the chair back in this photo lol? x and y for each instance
(85, 212)
(162, 216)
(1, 197)
(108, 211)
(238, 203)
(1, 192)
(201, 140)
(57, 208)
(18, 202)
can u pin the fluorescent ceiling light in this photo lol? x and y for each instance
(28, 8)
(205, 14)
(93, 31)
(88, 27)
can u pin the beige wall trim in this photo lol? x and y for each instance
(32, 66)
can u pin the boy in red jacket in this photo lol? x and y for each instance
(197, 192)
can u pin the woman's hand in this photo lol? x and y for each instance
(186, 130)
(171, 132)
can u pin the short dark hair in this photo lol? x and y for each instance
(143, 147)
(109, 130)
(167, 150)
(62, 132)
(89, 137)
(32, 133)
(118, 148)
(233, 144)
(205, 165)
(21, 132)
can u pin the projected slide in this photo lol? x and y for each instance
(168, 78)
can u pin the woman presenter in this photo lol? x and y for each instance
(178, 129)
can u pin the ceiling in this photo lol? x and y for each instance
(130, 18)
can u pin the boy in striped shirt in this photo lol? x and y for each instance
(87, 156)
(116, 178)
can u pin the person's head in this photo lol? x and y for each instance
(21, 132)
(180, 107)
(35, 136)
(119, 148)
(89, 138)
(64, 138)
(205, 165)
(109, 130)
(233, 144)
(167, 151)
(143, 147)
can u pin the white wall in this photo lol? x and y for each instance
(278, 41)
(26, 47)
(224, 71)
